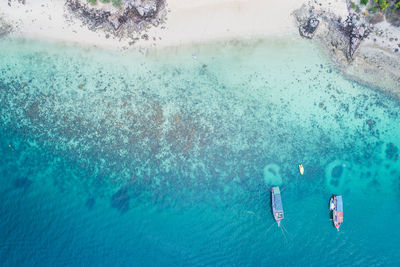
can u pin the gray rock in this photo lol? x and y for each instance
(4, 29)
(133, 17)
(113, 19)
(356, 31)
(376, 18)
(143, 7)
(308, 29)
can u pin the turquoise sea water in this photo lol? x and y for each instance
(164, 159)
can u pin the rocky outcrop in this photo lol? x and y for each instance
(356, 30)
(134, 15)
(308, 29)
(90, 16)
(145, 8)
(4, 29)
(346, 35)
(362, 52)
(19, 1)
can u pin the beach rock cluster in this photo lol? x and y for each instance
(394, 19)
(19, 1)
(363, 51)
(135, 15)
(347, 34)
(145, 8)
(4, 29)
(356, 30)
(89, 15)
(308, 29)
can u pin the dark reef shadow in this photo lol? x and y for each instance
(90, 203)
(120, 200)
(337, 171)
(22, 183)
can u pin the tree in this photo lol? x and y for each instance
(383, 4)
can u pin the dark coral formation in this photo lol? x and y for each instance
(391, 151)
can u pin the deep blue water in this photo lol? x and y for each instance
(164, 159)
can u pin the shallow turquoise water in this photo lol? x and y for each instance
(164, 158)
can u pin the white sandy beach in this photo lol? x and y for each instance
(187, 22)
(204, 21)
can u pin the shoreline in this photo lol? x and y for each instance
(374, 60)
(361, 51)
(185, 24)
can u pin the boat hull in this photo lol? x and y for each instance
(276, 205)
(301, 169)
(336, 206)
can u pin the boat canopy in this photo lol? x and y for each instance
(276, 190)
(278, 203)
(339, 203)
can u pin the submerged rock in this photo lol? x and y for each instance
(337, 171)
(90, 203)
(307, 30)
(22, 183)
(391, 151)
(120, 200)
(272, 175)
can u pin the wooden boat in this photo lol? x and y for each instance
(332, 204)
(301, 169)
(276, 203)
(336, 206)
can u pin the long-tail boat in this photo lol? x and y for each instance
(336, 206)
(276, 203)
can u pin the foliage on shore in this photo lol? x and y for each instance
(377, 5)
(383, 8)
(116, 3)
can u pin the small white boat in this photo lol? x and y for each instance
(301, 169)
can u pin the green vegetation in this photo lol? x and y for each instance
(116, 3)
(383, 4)
(377, 5)
(373, 9)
